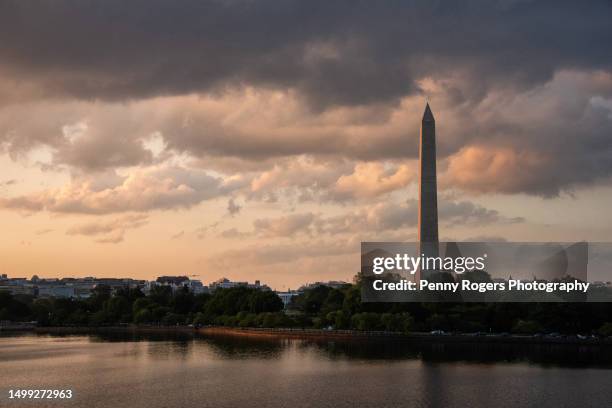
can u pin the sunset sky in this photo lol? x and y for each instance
(267, 139)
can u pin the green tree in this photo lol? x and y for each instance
(397, 322)
(42, 310)
(16, 307)
(183, 301)
(605, 330)
(143, 316)
(99, 295)
(367, 321)
(333, 301)
(339, 319)
(526, 327)
(142, 303)
(264, 301)
(247, 320)
(312, 299)
(352, 300)
(117, 309)
(161, 295)
(99, 318)
(173, 319)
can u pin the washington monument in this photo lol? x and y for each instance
(428, 191)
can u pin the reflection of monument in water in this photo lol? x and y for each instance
(428, 189)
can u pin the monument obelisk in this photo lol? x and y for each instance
(428, 191)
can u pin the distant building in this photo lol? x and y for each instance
(18, 289)
(83, 288)
(172, 280)
(177, 283)
(65, 287)
(331, 284)
(82, 292)
(16, 286)
(58, 291)
(196, 287)
(225, 283)
(118, 283)
(148, 286)
(287, 296)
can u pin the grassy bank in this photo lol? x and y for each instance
(417, 336)
(322, 334)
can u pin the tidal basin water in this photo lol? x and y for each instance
(199, 371)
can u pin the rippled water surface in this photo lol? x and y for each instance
(186, 371)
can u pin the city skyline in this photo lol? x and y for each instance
(84, 287)
(268, 143)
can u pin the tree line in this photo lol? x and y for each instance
(317, 307)
(162, 306)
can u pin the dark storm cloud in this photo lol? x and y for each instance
(551, 139)
(338, 52)
(522, 90)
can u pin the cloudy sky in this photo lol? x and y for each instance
(267, 139)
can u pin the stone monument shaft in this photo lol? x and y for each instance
(428, 192)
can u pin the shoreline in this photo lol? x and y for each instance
(409, 337)
(322, 334)
(114, 329)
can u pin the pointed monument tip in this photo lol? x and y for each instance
(428, 116)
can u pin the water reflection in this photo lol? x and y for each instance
(170, 369)
(183, 345)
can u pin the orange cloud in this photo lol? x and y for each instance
(373, 179)
(142, 190)
(284, 226)
(485, 169)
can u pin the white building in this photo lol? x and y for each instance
(176, 283)
(286, 297)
